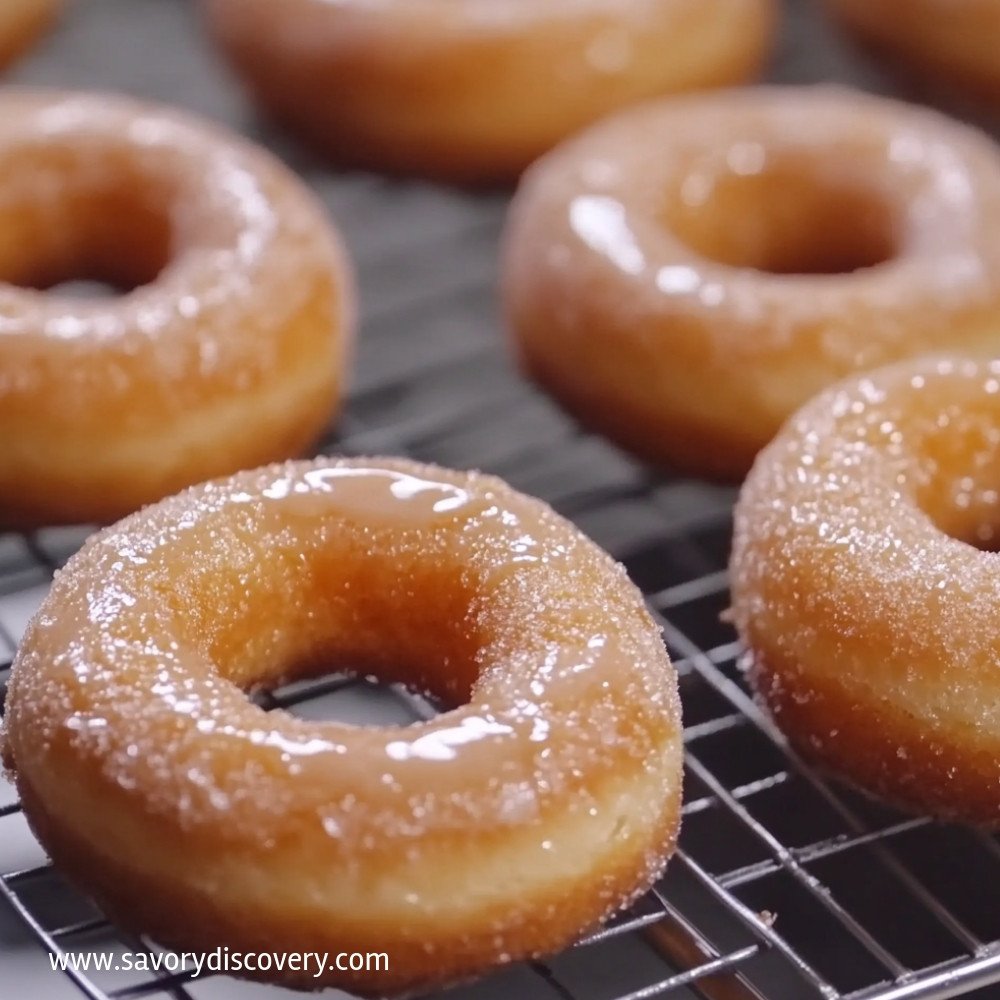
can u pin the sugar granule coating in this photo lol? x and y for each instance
(864, 586)
(545, 800)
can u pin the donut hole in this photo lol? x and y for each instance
(391, 646)
(784, 216)
(352, 698)
(982, 532)
(364, 570)
(349, 626)
(92, 239)
(960, 478)
(973, 517)
(84, 288)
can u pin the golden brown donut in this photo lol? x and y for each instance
(955, 43)
(474, 91)
(545, 800)
(21, 22)
(230, 348)
(684, 276)
(866, 583)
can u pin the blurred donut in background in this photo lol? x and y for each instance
(685, 275)
(475, 91)
(951, 43)
(21, 23)
(226, 343)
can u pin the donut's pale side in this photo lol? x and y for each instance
(685, 275)
(474, 91)
(952, 44)
(544, 801)
(21, 24)
(865, 588)
(229, 350)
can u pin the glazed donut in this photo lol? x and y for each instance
(545, 800)
(21, 22)
(474, 91)
(228, 351)
(954, 43)
(861, 591)
(684, 276)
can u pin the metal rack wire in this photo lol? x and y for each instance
(785, 886)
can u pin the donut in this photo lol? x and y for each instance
(474, 91)
(951, 44)
(865, 582)
(546, 798)
(684, 276)
(21, 22)
(225, 349)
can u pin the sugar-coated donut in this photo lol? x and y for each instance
(474, 91)
(228, 352)
(544, 801)
(861, 589)
(953, 43)
(685, 275)
(21, 22)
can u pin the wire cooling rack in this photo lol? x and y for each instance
(785, 886)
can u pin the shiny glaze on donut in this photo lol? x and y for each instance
(21, 22)
(667, 273)
(866, 590)
(544, 800)
(950, 43)
(228, 351)
(474, 91)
